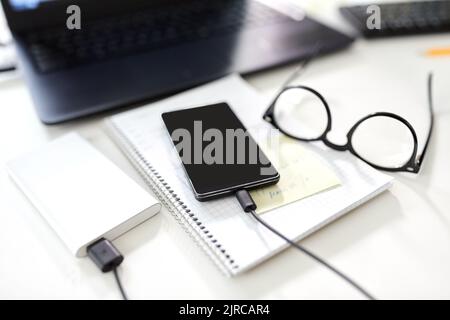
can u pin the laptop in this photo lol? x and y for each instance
(128, 52)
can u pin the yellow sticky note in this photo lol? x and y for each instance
(302, 174)
(438, 52)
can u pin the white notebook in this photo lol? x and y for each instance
(233, 239)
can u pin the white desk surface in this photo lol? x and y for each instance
(397, 245)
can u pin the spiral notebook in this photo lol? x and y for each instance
(232, 239)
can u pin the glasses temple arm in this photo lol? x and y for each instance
(431, 110)
(296, 73)
(301, 67)
(298, 70)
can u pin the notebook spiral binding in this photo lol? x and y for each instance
(182, 214)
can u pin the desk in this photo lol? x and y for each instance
(397, 245)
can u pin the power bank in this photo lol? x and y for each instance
(82, 195)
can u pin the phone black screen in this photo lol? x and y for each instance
(218, 154)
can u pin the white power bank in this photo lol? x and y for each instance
(82, 195)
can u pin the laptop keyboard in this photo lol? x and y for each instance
(402, 18)
(144, 31)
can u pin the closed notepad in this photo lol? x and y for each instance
(234, 240)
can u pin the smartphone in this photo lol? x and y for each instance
(218, 154)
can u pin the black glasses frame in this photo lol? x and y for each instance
(412, 165)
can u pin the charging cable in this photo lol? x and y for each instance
(248, 205)
(107, 258)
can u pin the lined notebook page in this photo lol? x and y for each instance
(232, 238)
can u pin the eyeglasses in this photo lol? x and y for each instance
(302, 113)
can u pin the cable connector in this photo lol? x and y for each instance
(107, 258)
(105, 255)
(246, 201)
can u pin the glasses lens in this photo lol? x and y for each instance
(301, 114)
(383, 141)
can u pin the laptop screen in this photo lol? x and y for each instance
(20, 5)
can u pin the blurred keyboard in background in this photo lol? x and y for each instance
(402, 18)
(143, 31)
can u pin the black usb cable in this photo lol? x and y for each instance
(248, 204)
(107, 258)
